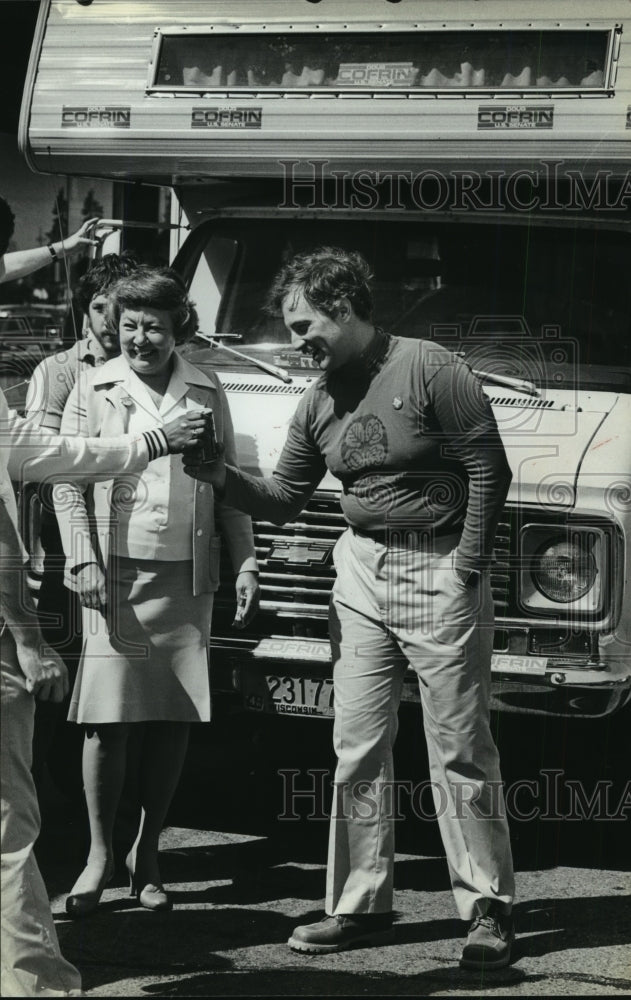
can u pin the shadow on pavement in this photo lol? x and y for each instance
(115, 945)
(547, 925)
(121, 941)
(288, 982)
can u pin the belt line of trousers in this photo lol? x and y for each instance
(395, 606)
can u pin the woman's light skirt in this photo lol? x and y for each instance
(145, 658)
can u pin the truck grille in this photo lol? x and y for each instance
(301, 589)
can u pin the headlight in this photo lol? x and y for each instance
(563, 570)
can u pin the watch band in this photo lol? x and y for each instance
(52, 251)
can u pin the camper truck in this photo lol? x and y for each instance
(477, 153)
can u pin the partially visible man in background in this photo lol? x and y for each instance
(55, 376)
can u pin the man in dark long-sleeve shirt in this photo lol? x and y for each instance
(406, 428)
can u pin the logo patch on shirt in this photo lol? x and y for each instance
(365, 443)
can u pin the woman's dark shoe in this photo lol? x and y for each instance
(88, 889)
(152, 895)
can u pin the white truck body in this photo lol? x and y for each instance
(478, 153)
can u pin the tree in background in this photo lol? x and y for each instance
(62, 279)
(92, 207)
(60, 218)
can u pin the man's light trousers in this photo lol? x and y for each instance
(394, 605)
(32, 964)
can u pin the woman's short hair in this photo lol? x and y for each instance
(154, 288)
(101, 275)
(324, 276)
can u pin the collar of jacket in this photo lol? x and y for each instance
(117, 370)
(87, 351)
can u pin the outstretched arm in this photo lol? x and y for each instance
(281, 497)
(36, 455)
(19, 263)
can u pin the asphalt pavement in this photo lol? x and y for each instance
(242, 878)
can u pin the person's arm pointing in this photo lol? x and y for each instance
(19, 263)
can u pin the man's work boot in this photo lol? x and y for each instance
(345, 930)
(489, 941)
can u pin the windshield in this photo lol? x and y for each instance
(549, 304)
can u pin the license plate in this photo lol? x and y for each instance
(289, 695)
(506, 664)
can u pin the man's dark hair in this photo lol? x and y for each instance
(7, 225)
(101, 275)
(154, 288)
(324, 276)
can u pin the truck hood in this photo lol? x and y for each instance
(546, 439)
(262, 408)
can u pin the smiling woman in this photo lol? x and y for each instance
(147, 587)
(152, 314)
(147, 342)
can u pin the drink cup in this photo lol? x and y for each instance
(208, 442)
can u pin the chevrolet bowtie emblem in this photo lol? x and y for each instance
(306, 553)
